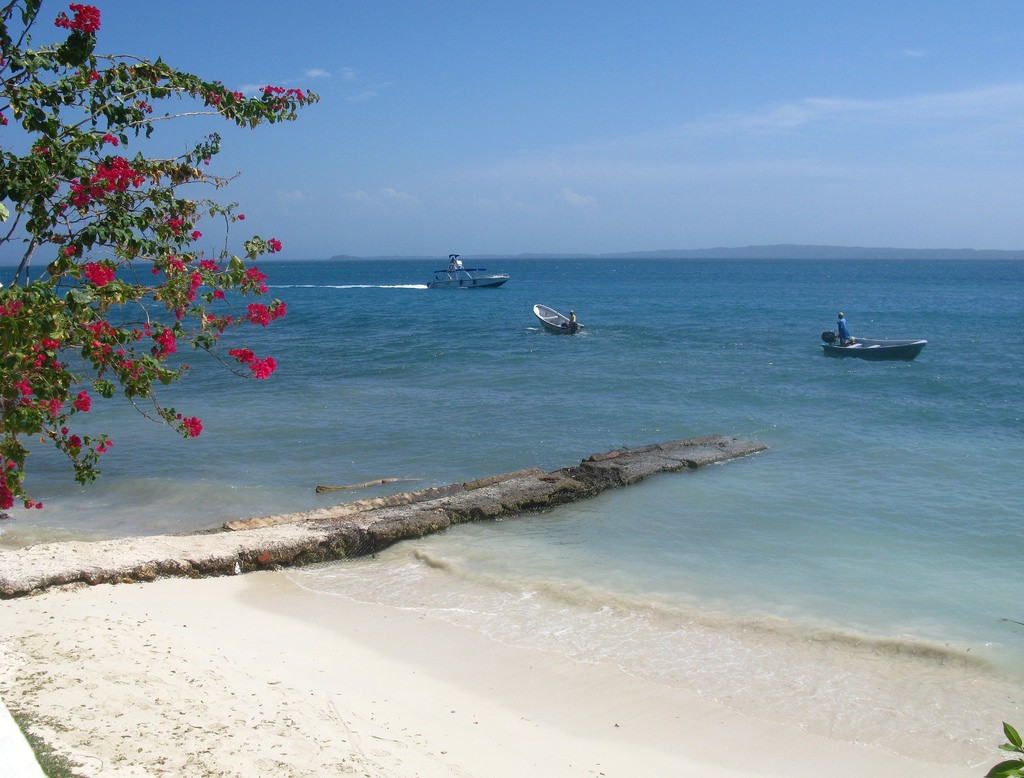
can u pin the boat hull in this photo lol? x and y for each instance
(475, 282)
(877, 350)
(555, 322)
(557, 329)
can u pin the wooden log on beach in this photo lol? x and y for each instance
(349, 529)
(378, 482)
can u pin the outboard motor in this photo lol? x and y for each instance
(828, 336)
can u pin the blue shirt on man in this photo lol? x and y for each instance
(844, 329)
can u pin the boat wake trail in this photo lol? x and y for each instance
(347, 286)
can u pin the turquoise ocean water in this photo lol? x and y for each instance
(873, 552)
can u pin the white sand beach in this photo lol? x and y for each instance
(251, 675)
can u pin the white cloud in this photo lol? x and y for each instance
(393, 195)
(386, 196)
(999, 104)
(782, 167)
(366, 94)
(367, 90)
(575, 199)
(294, 196)
(317, 73)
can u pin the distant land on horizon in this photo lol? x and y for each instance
(767, 252)
(778, 251)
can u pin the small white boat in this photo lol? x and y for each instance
(555, 322)
(455, 276)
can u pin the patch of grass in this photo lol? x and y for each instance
(54, 765)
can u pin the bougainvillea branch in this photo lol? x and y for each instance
(81, 197)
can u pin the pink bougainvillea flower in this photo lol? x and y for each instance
(115, 177)
(274, 245)
(83, 402)
(194, 283)
(177, 264)
(166, 341)
(193, 426)
(254, 278)
(87, 19)
(263, 368)
(99, 275)
(255, 275)
(259, 314)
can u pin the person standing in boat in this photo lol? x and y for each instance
(845, 338)
(573, 326)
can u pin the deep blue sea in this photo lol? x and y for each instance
(873, 551)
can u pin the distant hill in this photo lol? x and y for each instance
(777, 251)
(796, 251)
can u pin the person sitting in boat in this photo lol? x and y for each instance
(454, 262)
(845, 338)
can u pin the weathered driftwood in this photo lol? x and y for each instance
(348, 529)
(378, 482)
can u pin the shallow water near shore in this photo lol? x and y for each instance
(885, 513)
(915, 698)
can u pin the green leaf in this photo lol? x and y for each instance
(1012, 735)
(76, 48)
(81, 296)
(1012, 768)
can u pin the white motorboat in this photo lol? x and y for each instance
(456, 276)
(556, 322)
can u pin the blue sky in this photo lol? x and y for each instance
(589, 127)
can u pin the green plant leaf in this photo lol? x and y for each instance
(1012, 768)
(76, 48)
(1012, 735)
